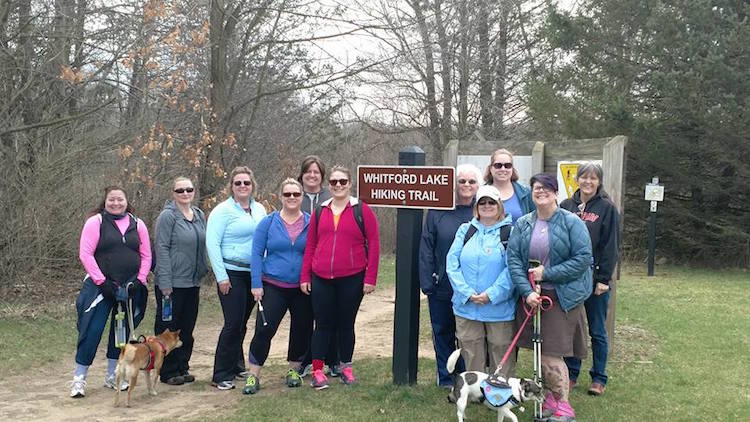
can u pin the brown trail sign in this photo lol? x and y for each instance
(407, 187)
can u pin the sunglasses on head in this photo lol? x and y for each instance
(183, 190)
(342, 182)
(242, 182)
(486, 201)
(498, 166)
(465, 181)
(291, 194)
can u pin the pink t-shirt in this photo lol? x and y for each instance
(90, 239)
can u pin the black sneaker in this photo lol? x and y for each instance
(178, 380)
(334, 370)
(188, 377)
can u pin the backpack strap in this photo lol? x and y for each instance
(504, 234)
(469, 233)
(358, 217)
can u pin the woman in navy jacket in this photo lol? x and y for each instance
(437, 237)
(276, 262)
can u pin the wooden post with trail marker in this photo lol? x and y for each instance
(655, 194)
(411, 187)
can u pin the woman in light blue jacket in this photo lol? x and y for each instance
(278, 248)
(484, 300)
(229, 242)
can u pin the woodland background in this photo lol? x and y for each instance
(133, 92)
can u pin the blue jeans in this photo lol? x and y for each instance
(596, 313)
(443, 337)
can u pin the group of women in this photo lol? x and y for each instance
(476, 262)
(315, 258)
(318, 256)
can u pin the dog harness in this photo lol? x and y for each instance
(150, 364)
(497, 392)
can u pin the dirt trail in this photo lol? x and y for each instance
(44, 396)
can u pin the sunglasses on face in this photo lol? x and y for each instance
(498, 166)
(465, 181)
(342, 182)
(183, 190)
(486, 202)
(242, 182)
(291, 194)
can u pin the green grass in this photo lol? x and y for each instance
(681, 352)
(681, 349)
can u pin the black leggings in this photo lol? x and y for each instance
(335, 305)
(276, 301)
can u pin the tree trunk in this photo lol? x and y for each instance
(501, 65)
(485, 69)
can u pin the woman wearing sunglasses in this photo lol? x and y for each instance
(229, 242)
(559, 241)
(180, 254)
(484, 300)
(339, 267)
(437, 237)
(276, 262)
(312, 175)
(503, 176)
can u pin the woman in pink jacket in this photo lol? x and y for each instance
(116, 253)
(340, 266)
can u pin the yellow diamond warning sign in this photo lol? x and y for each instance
(567, 172)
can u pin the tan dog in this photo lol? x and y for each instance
(144, 356)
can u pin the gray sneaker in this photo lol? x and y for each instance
(78, 387)
(304, 371)
(224, 385)
(110, 382)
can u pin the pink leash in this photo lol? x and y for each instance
(529, 311)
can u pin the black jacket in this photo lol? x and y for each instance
(437, 237)
(603, 221)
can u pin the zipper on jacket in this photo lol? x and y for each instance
(333, 247)
(197, 245)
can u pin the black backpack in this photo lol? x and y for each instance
(504, 234)
(357, 208)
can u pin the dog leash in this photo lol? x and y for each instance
(529, 311)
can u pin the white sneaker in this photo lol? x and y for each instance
(109, 382)
(78, 387)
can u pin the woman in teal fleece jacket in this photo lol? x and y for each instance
(229, 242)
(484, 300)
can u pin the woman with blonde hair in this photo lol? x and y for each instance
(180, 254)
(339, 267)
(276, 262)
(229, 242)
(502, 174)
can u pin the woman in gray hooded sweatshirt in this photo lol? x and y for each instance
(180, 254)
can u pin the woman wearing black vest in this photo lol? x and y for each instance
(116, 253)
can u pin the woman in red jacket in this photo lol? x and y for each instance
(340, 266)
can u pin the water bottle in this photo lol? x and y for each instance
(120, 335)
(166, 308)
